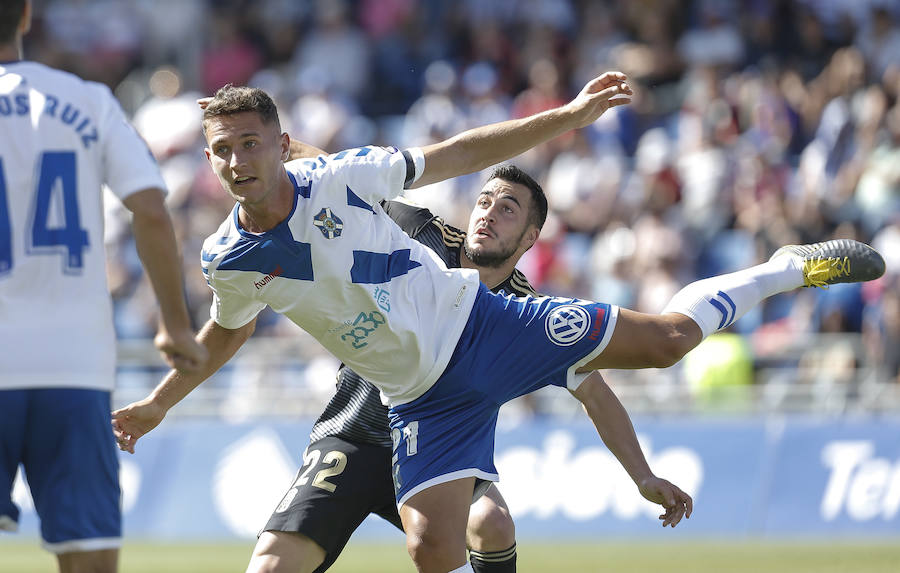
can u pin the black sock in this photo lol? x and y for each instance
(494, 561)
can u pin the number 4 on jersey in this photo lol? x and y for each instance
(57, 185)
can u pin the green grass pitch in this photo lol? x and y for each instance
(18, 556)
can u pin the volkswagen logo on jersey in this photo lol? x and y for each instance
(567, 324)
(329, 223)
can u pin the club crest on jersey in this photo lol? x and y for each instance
(329, 223)
(567, 324)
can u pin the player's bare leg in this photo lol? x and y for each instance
(101, 561)
(491, 534)
(435, 523)
(284, 552)
(706, 306)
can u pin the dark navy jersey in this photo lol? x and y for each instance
(355, 413)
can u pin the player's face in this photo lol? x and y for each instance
(246, 154)
(498, 226)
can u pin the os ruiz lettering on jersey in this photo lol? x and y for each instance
(68, 114)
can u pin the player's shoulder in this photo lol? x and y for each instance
(69, 84)
(517, 284)
(335, 167)
(218, 244)
(412, 218)
(453, 236)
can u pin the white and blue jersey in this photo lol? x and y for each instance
(341, 269)
(444, 351)
(61, 140)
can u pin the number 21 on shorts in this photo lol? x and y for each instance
(410, 433)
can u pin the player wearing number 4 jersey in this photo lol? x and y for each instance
(311, 240)
(61, 138)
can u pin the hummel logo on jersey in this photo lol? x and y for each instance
(567, 324)
(329, 223)
(269, 277)
(598, 323)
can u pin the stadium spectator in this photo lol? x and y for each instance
(62, 139)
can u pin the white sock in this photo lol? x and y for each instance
(467, 568)
(715, 303)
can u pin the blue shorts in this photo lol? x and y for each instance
(510, 346)
(63, 439)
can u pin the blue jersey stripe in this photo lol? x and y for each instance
(270, 257)
(376, 268)
(355, 200)
(302, 190)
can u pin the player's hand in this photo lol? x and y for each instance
(676, 503)
(180, 350)
(595, 98)
(135, 420)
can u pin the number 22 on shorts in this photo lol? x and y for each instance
(336, 461)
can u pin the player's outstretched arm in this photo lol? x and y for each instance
(138, 418)
(300, 150)
(478, 148)
(154, 236)
(617, 432)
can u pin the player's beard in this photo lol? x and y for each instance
(495, 259)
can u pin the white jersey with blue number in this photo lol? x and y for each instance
(342, 269)
(61, 139)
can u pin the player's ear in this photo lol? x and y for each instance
(285, 147)
(530, 237)
(25, 22)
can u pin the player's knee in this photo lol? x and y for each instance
(491, 529)
(670, 344)
(281, 552)
(432, 551)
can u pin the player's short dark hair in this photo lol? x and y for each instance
(512, 174)
(230, 100)
(10, 14)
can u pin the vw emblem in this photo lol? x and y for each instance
(567, 324)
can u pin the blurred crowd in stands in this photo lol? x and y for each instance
(755, 123)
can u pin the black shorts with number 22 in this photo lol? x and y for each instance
(339, 485)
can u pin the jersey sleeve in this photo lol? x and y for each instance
(373, 174)
(128, 164)
(230, 309)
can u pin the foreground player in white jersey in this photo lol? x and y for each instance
(61, 138)
(310, 240)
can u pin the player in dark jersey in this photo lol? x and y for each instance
(346, 467)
